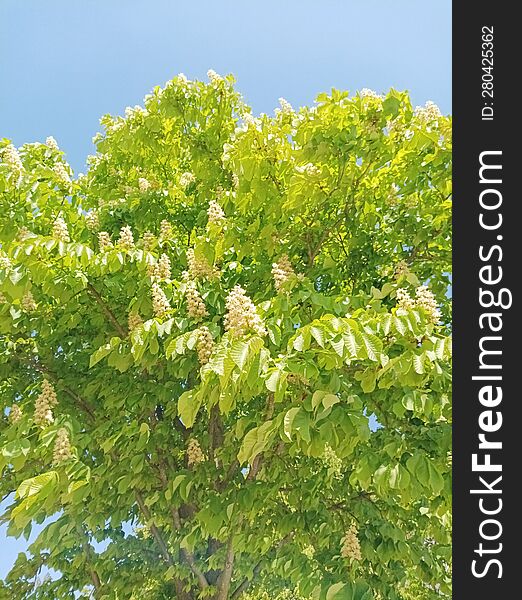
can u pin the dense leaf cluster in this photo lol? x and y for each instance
(219, 440)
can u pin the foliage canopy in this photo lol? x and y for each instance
(195, 334)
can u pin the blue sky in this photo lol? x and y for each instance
(64, 63)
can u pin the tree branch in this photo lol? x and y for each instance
(87, 549)
(188, 556)
(107, 311)
(226, 575)
(246, 583)
(153, 529)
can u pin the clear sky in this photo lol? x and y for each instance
(64, 63)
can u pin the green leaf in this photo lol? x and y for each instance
(35, 485)
(188, 407)
(239, 353)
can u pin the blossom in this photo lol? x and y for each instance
(286, 107)
(46, 400)
(332, 461)
(134, 320)
(149, 240)
(61, 172)
(428, 113)
(194, 453)
(126, 240)
(62, 446)
(50, 142)
(160, 303)
(214, 78)
(282, 271)
(28, 302)
(404, 300)
(143, 185)
(11, 157)
(308, 169)
(60, 231)
(165, 230)
(104, 240)
(5, 263)
(215, 213)
(199, 266)
(425, 299)
(350, 544)
(195, 306)
(367, 93)
(204, 345)
(186, 179)
(163, 267)
(92, 220)
(241, 315)
(15, 414)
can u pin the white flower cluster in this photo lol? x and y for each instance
(149, 240)
(92, 220)
(61, 172)
(199, 267)
(404, 300)
(194, 453)
(43, 414)
(160, 303)
(50, 142)
(165, 230)
(104, 240)
(5, 263)
(249, 121)
(23, 233)
(62, 446)
(204, 345)
(60, 231)
(163, 267)
(350, 544)
(15, 414)
(3, 299)
(126, 240)
(282, 271)
(428, 113)
(186, 179)
(309, 551)
(426, 300)
(134, 320)
(225, 156)
(309, 169)
(332, 461)
(161, 270)
(215, 213)
(11, 157)
(286, 107)
(195, 306)
(28, 303)
(242, 315)
(214, 78)
(367, 93)
(143, 185)
(135, 112)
